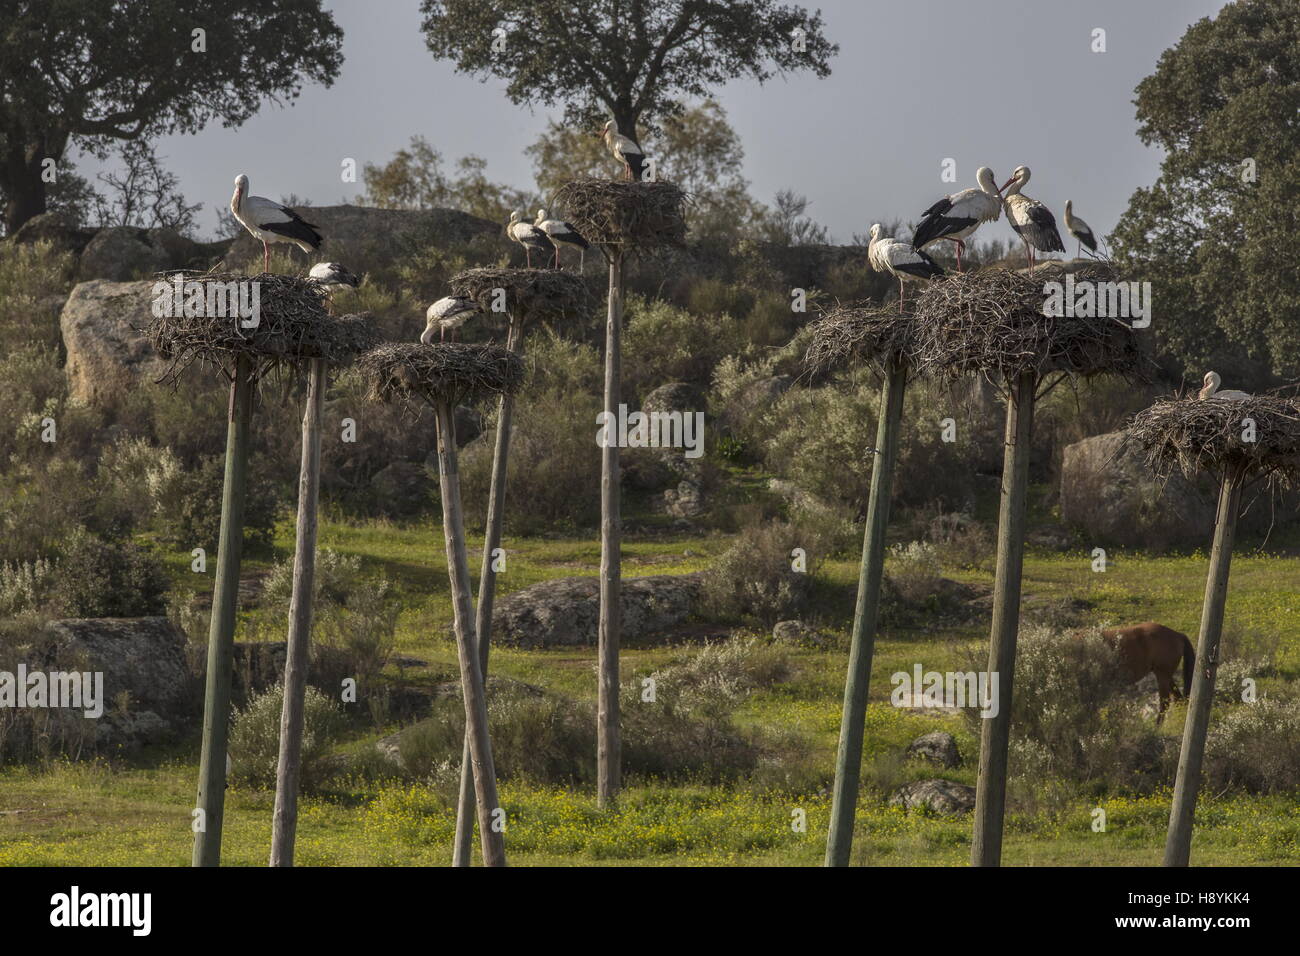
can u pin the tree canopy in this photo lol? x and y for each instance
(1216, 232)
(93, 72)
(633, 60)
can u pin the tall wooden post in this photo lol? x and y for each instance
(285, 819)
(487, 582)
(471, 675)
(848, 761)
(608, 742)
(221, 631)
(1178, 843)
(995, 734)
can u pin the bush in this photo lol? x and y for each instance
(1255, 747)
(197, 521)
(337, 579)
(913, 570)
(96, 578)
(34, 279)
(961, 541)
(667, 344)
(755, 578)
(255, 737)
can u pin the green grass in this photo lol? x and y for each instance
(139, 814)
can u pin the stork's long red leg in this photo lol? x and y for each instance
(266, 257)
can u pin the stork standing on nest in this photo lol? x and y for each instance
(1211, 390)
(625, 150)
(899, 259)
(268, 222)
(1079, 229)
(562, 233)
(956, 216)
(332, 276)
(1032, 221)
(528, 236)
(447, 315)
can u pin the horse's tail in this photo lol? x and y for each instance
(1189, 666)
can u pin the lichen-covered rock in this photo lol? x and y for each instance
(938, 796)
(566, 612)
(107, 356)
(122, 253)
(938, 746)
(798, 633)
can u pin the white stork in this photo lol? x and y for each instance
(333, 276)
(899, 258)
(562, 233)
(447, 314)
(528, 236)
(269, 222)
(1211, 390)
(1079, 229)
(956, 216)
(625, 150)
(1032, 221)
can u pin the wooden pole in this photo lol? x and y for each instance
(608, 743)
(487, 584)
(848, 761)
(1178, 843)
(995, 734)
(221, 631)
(471, 675)
(285, 818)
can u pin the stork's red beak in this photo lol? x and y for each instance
(1006, 184)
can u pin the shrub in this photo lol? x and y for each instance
(26, 586)
(1255, 747)
(255, 737)
(913, 570)
(34, 281)
(961, 541)
(337, 578)
(96, 578)
(354, 639)
(755, 577)
(197, 521)
(667, 344)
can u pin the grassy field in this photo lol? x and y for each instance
(139, 814)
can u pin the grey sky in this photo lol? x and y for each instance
(998, 83)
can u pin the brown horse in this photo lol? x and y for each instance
(1152, 648)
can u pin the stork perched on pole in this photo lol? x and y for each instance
(625, 150)
(956, 216)
(899, 259)
(1079, 229)
(562, 233)
(528, 236)
(447, 314)
(1032, 221)
(268, 222)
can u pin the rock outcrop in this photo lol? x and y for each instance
(107, 357)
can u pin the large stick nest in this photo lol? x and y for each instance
(613, 213)
(861, 335)
(992, 322)
(530, 294)
(293, 326)
(440, 373)
(1190, 436)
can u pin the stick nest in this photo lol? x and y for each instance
(442, 373)
(613, 213)
(531, 294)
(1190, 436)
(293, 327)
(992, 321)
(861, 335)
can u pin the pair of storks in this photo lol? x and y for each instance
(955, 217)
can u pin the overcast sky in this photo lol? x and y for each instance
(997, 83)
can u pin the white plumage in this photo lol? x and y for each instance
(899, 259)
(447, 315)
(1079, 229)
(332, 275)
(1032, 221)
(1211, 390)
(625, 150)
(269, 222)
(956, 216)
(562, 233)
(528, 236)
